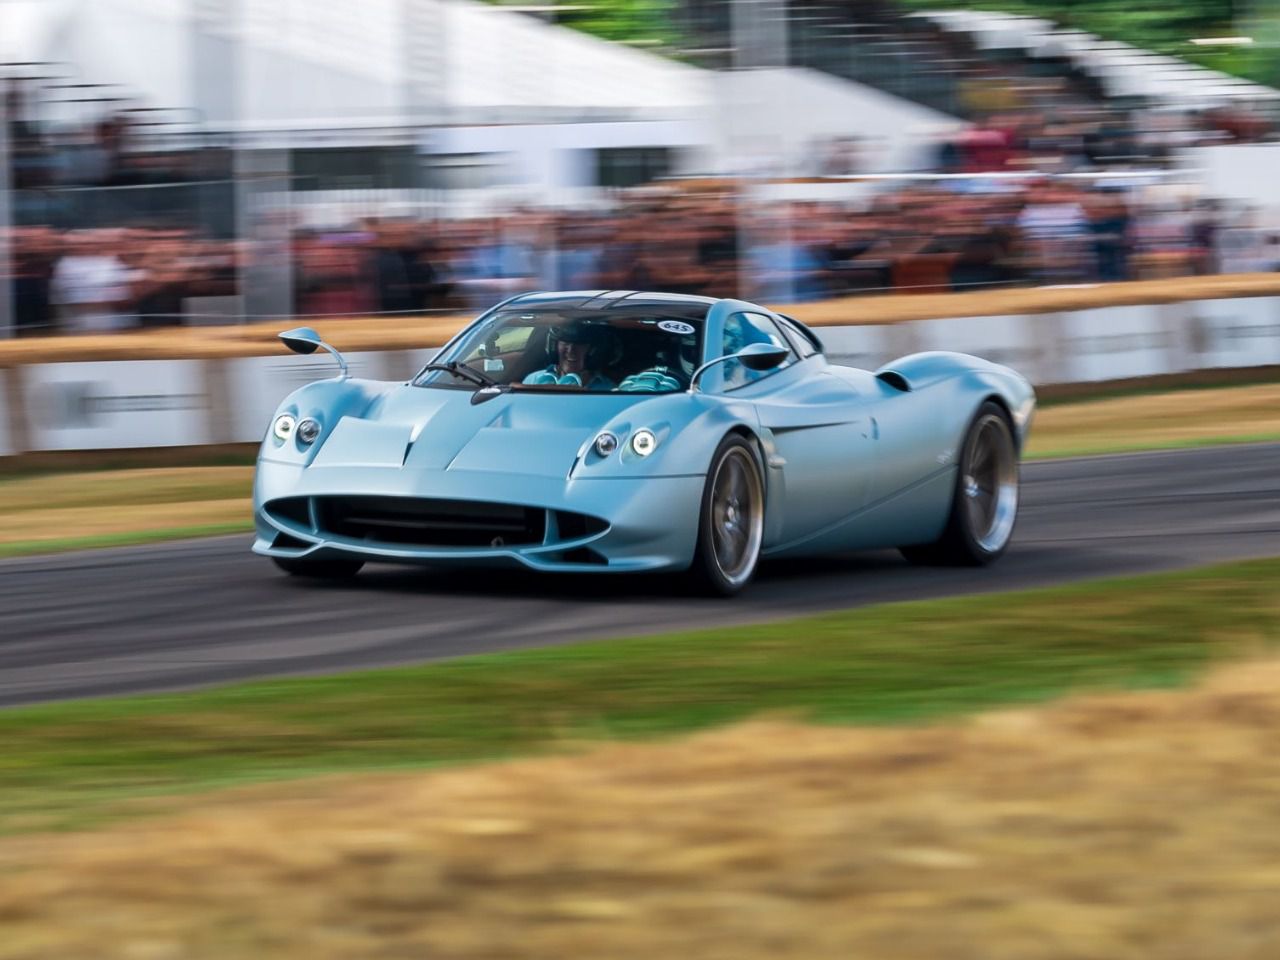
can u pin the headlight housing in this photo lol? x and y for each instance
(308, 430)
(644, 442)
(284, 425)
(606, 443)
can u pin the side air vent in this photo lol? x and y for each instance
(894, 379)
(584, 555)
(574, 526)
(285, 542)
(294, 510)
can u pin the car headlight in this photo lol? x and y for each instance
(643, 442)
(283, 427)
(606, 443)
(308, 430)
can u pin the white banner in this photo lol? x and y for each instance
(1241, 332)
(420, 358)
(149, 403)
(258, 384)
(117, 403)
(6, 444)
(1027, 344)
(1115, 343)
(864, 346)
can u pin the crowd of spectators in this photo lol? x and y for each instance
(1036, 221)
(918, 237)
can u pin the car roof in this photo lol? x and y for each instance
(685, 304)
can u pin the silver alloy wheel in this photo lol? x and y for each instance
(990, 482)
(737, 516)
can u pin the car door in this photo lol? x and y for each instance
(814, 426)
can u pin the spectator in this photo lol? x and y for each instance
(91, 287)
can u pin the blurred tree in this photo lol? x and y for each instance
(1165, 26)
(643, 22)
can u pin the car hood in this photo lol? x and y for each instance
(428, 428)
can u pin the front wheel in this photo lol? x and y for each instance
(319, 569)
(731, 523)
(984, 503)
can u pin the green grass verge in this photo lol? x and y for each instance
(78, 763)
(132, 538)
(1097, 449)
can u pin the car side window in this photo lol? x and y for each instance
(803, 346)
(741, 330)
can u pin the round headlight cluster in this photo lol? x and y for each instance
(606, 443)
(283, 427)
(643, 442)
(308, 430)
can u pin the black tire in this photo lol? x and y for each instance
(319, 569)
(731, 519)
(984, 501)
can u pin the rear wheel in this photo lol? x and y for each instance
(731, 523)
(319, 569)
(984, 504)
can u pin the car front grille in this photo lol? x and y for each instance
(421, 522)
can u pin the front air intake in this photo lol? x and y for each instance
(411, 521)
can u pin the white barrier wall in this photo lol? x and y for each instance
(1235, 333)
(1115, 343)
(118, 403)
(149, 403)
(256, 385)
(865, 346)
(6, 443)
(1028, 344)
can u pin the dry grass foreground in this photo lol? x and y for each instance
(1121, 826)
(414, 332)
(102, 504)
(1175, 418)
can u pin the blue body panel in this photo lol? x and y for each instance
(853, 460)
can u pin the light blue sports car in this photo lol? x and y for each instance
(616, 431)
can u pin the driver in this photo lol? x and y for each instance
(579, 354)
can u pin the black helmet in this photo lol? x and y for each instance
(597, 337)
(577, 331)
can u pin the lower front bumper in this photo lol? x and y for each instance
(652, 522)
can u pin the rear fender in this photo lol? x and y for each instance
(978, 380)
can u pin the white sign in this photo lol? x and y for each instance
(117, 403)
(258, 384)
(1115, 343)
(6, 444)
(1242, 332)
(1027, 344)
(866, 347)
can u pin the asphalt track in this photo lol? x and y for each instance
(200, 612)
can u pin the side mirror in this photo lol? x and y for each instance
(761, 356)
(305, 340)
(754, 356)
(301, 340)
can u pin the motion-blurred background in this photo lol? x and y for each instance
(176, 162)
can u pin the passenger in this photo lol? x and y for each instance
(581, 353)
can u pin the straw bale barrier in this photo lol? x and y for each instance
(415, 332)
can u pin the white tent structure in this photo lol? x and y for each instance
(337, 63)
(453, 77)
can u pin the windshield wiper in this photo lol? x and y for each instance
(463, 372)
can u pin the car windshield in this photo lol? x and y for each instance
(628, 350)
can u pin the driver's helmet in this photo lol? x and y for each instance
(599, 339)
